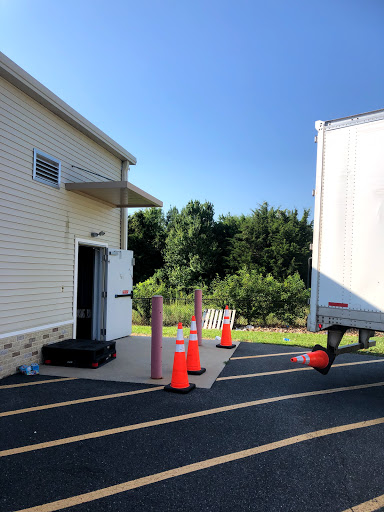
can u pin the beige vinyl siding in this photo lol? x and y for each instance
(26, 112)
(39, 223)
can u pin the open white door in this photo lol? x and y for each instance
(119, 294)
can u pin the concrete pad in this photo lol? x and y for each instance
(133, 363)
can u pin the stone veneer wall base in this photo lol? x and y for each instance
(26, 348)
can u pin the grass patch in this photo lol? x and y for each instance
(300, 339)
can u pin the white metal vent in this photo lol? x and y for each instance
(46, 168)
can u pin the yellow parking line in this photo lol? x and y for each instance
(197, 466)
(173, 419)
(269, 355)
(8, 386)
(80, 401)
(262, 374)
(368, 506)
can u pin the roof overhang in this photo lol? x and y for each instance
(120, 194)
(15, 75)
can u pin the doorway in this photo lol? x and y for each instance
(90, 308)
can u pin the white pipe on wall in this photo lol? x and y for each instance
(124, 211)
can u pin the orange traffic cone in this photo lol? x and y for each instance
(226, 339)
(179, 382)
(193, 358)
(318, 359)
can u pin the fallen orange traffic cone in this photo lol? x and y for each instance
(318, 359)
(193, 358)
(179, 382)
(226, 339)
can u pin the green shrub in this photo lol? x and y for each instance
(178, 312)
(142, 293)
(293, 299)
(256, 297)
(137, 318)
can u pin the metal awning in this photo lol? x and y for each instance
(120, 194)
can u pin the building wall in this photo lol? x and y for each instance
(39, 223)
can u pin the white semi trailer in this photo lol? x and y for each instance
(347, 285)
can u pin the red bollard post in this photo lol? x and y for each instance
(157, 337)
(199, 314)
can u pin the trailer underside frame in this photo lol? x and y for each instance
(336, 333)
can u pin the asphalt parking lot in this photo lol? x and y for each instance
(269, 435)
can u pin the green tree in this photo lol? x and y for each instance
(172, 215)
(191, 248)
(273, 241)
(146, 238)
(227, 227)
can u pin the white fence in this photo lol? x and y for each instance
(213, 318)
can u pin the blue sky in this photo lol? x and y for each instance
(216, 99)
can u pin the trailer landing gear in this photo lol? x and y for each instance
(335, 334)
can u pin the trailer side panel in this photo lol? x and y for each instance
(347, 274)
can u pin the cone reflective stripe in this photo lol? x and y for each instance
(317, 359)
(180, 335)
(226, 338)
(304, 359)
(193, 358)
(179, 382)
